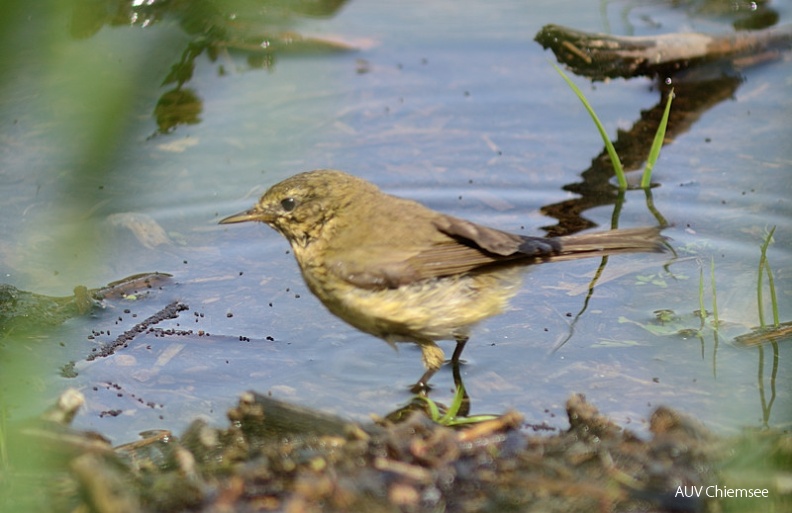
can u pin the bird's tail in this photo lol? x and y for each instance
(613, 242)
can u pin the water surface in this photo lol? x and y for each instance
(448, 103)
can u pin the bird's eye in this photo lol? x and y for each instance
(288, 204)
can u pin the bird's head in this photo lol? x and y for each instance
(300, 207)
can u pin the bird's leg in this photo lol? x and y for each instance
(422, 385)
(433, 358)
(461, 341)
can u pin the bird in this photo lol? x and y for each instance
(396, 269)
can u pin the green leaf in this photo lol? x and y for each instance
(657, 144)
(615, 161)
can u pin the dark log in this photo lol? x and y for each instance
(601, 56)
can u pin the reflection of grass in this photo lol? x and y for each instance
(770, 335)
(702, 311)
(654, 152)
(764, 269)
(618, 169)
(714, 294)
(668, 322)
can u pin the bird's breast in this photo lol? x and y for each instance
(432, 309)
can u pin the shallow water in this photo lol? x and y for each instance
(451, 104)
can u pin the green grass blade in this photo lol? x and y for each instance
(657, 144)
(434, 411)
(714, 295)
(765, 266)
(456, 404)
(702, 307)
(615, 161)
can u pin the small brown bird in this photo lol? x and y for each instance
(400, 271)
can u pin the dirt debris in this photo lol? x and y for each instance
(278, 457)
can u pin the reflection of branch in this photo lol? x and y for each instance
(691, 99)
(589, 295)
(601, 56)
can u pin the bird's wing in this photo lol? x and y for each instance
(385, 266)
(494, 241)
(456, 246)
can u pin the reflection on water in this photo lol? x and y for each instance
(457, 108)
(258, 31)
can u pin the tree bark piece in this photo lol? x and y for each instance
(601, 56)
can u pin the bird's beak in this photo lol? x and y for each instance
(254, 214)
